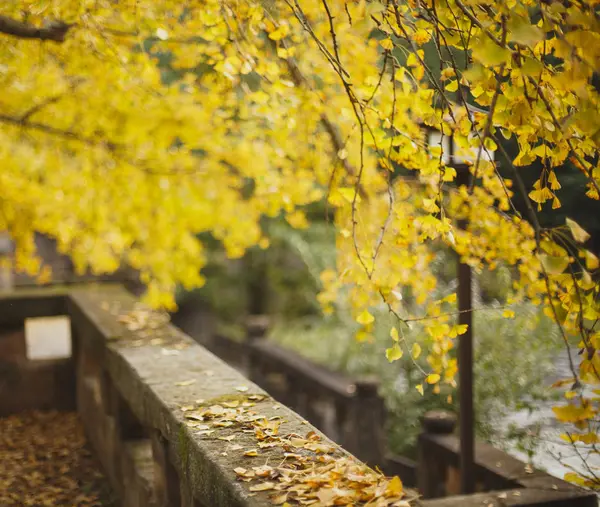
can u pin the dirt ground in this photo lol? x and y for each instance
(45, 461)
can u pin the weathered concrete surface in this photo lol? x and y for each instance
(138, 467)
(157, 379)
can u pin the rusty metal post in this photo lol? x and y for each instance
(465, 364)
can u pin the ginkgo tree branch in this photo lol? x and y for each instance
(538, 236)
(49, 129)
(38, 107)
(117, 150)
(479, 24)
(52, 30)
(558, 125)
(336, 139)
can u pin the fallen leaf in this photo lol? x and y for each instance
(326, 495)
(263, 471)
(265, 486)
(395, 487)
(280, 499)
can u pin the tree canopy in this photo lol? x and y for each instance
(129, 129)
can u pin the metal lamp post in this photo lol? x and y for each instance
(461, 159)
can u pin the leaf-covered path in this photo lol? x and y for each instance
(44, 461)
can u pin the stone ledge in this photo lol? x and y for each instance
(158, 374)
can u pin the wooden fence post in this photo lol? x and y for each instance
(431, 471)
(256, 329)
(365, 432)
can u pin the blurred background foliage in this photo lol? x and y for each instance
(513, 357)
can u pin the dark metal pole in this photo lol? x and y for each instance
(465, 373)
(465, 365)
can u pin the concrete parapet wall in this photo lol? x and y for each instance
(172, 424)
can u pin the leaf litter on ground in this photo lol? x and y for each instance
(44, 461)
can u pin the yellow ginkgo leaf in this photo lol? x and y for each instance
(452, 86)
(386, 44)
(580, 235)
(573, 413)
(365, 318)
(349, 194)
(554, 265)
(432, 378)
(297, 220)
(394, 353)
(395, 487)
(416, 351)
(591, 261)
(458, 329)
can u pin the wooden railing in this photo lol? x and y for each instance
(499, 478)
